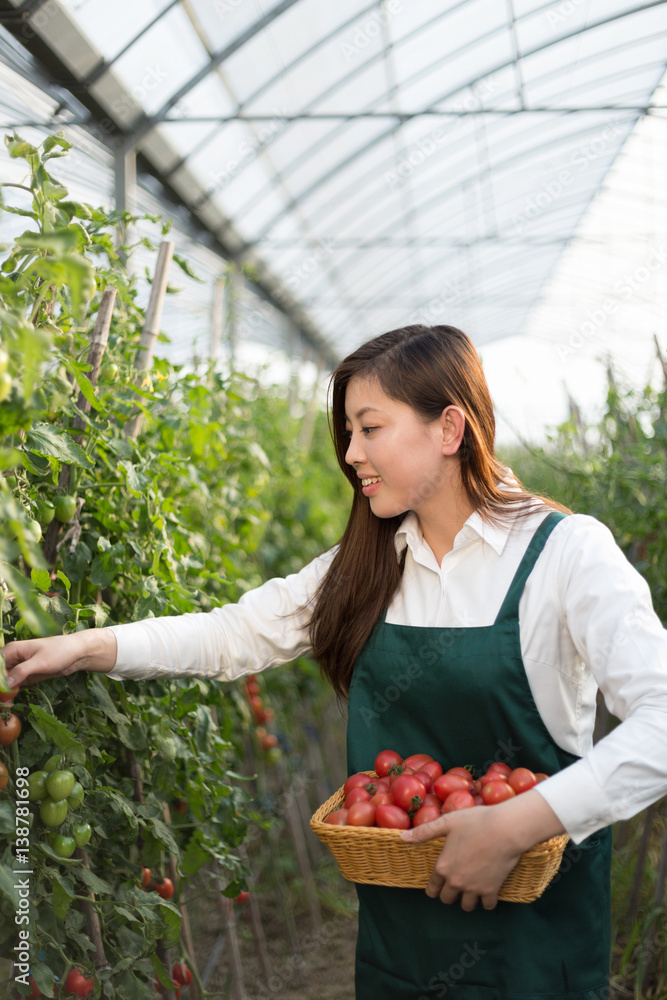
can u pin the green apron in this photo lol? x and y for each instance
(462, 695)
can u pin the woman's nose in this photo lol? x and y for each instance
(354, 454)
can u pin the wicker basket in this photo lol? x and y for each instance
(378, 856)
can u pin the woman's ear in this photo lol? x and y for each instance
(453, 424)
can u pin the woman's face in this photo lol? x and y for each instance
(393, 448)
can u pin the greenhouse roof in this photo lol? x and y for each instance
(374, 164)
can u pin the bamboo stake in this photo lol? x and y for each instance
(94, 929)
(303, 861)
(648, 958)
(229, 929)
(186, 932)
(98, 346)
(257, 926)
(151, 328)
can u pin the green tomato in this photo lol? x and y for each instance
(59, 784)
(65, 508)
(53, 763)
(33, 532)
(109, 372)
(82, 834)
(75, 797)
(45, 511)
(4, 360)
(53, 813)
(64, 846)
(37, 786)
(5, 386)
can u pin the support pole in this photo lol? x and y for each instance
(217, 318)
(151, 325)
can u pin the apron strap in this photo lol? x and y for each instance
(509, 610)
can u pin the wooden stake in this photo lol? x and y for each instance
(229, 927)
(302, 858)
(257, 927)
(98, 346)
(151, 328)
(94, 929)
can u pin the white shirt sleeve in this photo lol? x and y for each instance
(610, 617)
(262, 630)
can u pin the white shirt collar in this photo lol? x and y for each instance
(410, 533)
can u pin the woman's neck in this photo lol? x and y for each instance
(442, 517)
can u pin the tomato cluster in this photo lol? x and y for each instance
(163, 886)
(261, 714)
(415, 790)
(57, 791)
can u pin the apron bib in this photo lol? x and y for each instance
(462, 695)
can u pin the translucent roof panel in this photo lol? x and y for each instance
(379, 163)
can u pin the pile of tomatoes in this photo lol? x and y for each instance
(415, 790)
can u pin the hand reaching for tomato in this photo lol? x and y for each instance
(483, 846)
(31, 660)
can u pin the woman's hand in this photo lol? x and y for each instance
(32, 660)
(483, 845)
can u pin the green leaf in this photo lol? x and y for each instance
(94, 882)
(194, 856)
(53, 731)
(84, 384)
(44, 439)
(63, 895)
(41, 578)
(58, 242)
(7, 885)
(7, 819)
(172, 919)
(63, 579)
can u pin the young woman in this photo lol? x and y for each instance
(466, 618)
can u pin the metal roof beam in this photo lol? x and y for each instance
(105, 64)
(216, 60)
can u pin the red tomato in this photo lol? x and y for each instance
(77, 984)
(433, 768)
(357, 795)
(521, 780)
(486, 779)
(462, 771)
(358, 780)
(499, 766)
(7, 697)
(382, 799)
(425, 778)
(10, 727)
(425, 815)
(392, 817)
(145, 878)
(182, 974)
(496, 791)
(337, 818)
(448, 783)
(384, 760)
(252, 688)
(408, 792)
(477, 786)
(382, 785)
(416, 760)
(541, 776)
(361, 814)
(269, 741)
(460, 799)
(165, 888)
(430, 799)
(242, 897)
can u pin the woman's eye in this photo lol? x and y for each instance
(367, 430)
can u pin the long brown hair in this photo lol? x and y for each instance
(429, 368)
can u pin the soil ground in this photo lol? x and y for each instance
(325, 970)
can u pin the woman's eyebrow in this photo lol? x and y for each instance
(364, 409)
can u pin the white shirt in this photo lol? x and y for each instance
(586, 620)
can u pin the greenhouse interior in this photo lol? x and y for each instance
(209, 211)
